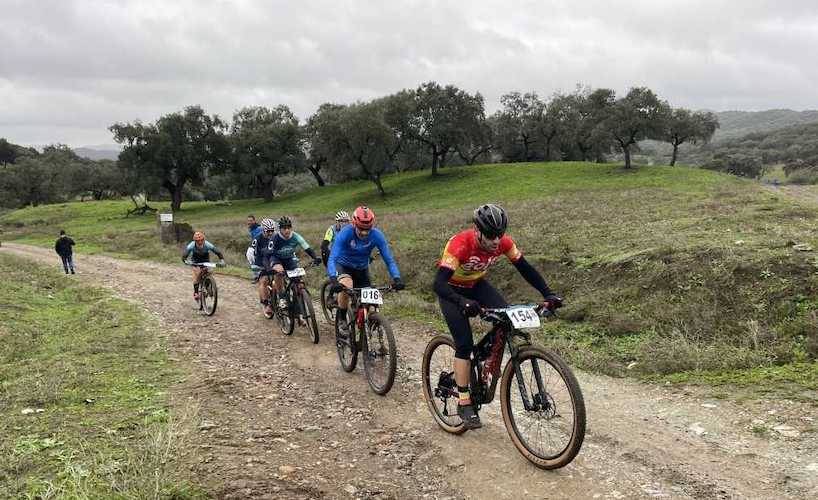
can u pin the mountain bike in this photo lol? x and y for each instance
(369, 334)
(542, 405)
(208, 291)
(299, 304)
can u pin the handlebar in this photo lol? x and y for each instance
(355, 291)
(271, 272)
(496, 314)
(208, 265)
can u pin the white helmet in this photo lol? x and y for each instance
(268, 224)
(341, 216)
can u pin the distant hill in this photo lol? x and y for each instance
(102, 152)
(732, 125)
(738, 123)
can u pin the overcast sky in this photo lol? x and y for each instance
(69, 69)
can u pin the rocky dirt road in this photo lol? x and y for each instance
(279, 419)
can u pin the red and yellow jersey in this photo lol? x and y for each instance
(469, 261)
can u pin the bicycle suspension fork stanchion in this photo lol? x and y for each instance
(518, 371)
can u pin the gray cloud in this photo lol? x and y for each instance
(68, 69)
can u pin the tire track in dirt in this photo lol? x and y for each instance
(280, 419)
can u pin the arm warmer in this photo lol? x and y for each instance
(311, 252)
(442, 287)
(532, 276)
(325, 251)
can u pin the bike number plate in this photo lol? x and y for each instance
(295, 273)
(371, 296)
(524, 317)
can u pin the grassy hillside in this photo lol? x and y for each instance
(680, 271)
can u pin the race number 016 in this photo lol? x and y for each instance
(371, 296)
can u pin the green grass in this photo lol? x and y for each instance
(83, 405)
(676, 269)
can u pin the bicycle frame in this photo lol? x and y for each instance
(362, 311)
(504, 333)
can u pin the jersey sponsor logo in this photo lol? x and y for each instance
(476, 264)
(271, 245)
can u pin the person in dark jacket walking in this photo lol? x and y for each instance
(63, 247)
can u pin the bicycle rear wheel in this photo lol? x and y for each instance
(328, 302)
(347, 347)
(309, 315)
(209, 295)
(380, 354)
(550, 432)
(439, 387)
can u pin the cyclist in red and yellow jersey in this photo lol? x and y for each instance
(462, 289)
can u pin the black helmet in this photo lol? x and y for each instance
(285, 222)
(491, 220)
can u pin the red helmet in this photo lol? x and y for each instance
(363, 218)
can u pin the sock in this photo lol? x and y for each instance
(464, 396)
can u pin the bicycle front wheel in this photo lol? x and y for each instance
(209, 295)
(309, 315)
(380, 354)
(550, 430)
(285, 317)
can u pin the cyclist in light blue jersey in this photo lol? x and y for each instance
(199, 251)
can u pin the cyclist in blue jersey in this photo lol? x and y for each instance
(262, 242)
(279, 255)
(254, 229)
(199, 251)
(348, 264)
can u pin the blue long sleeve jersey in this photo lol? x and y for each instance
(278, 247)
(255, 231)
(353, 252)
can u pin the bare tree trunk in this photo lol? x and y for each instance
(176, 199)
(435, 159)
(675, 152)
(314, 171)
(627, 150)
(377, 180)
(175, 194)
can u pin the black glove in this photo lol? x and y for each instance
(470, 308)
(397, 284)
(552, 301)
(334, 286)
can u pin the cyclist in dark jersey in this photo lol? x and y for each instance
(261, 242)
(279, 255)
(199, 251)
(462, 289)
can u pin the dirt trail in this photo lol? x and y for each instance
(281, 420)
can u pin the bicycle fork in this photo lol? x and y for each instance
(540, 401)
